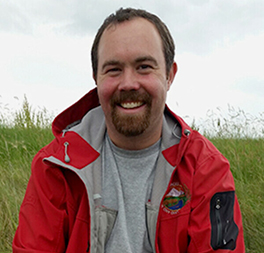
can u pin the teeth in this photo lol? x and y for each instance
(131, 105)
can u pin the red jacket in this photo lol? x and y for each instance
(197, 212)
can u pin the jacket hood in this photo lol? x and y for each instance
(75, 112)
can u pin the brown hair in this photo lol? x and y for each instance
(122, 15)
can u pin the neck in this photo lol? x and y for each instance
(142, 141)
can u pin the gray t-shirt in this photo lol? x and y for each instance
(127, 180)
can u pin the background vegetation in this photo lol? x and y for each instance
(239, 136)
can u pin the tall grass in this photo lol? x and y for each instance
(22, 134)
(231, 123)
(239, 136)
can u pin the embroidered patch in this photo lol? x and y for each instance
(176, 198)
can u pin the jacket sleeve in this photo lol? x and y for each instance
(43, 215)
(215, 222)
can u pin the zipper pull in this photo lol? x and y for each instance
(66, 157)
(218, 204)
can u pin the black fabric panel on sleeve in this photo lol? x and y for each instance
(224, 231)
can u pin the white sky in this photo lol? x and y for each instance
(45, 52)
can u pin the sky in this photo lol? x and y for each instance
(45, 52)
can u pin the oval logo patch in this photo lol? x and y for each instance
(176, 198)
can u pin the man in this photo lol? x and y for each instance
(124, 173)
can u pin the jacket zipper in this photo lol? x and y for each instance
(218, 222)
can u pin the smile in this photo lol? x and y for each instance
(131, 105)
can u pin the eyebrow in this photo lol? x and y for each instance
(147, 58)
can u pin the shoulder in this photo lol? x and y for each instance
(202, 150)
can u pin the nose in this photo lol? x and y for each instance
(128, 81)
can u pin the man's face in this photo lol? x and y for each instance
(131, 80)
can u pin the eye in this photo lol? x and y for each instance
(144, 66)
(113, 70)
(144, 69)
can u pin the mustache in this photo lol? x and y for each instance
(125, 96)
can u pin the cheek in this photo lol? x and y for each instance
(157, 89)
(105, 92)
(159, 94)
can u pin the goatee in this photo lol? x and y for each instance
(131, 125)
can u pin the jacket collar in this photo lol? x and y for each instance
(175, 131)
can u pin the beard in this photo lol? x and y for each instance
(131, 125)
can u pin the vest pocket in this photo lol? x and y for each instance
(224, 231)
(152, 215)
(104, 223)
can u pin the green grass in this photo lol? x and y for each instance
(28, 131)
(17, 148)
(22, 134)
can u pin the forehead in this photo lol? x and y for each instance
(135, 35)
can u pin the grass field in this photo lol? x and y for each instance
(23, 136)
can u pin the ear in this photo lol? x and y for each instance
(171, 75)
